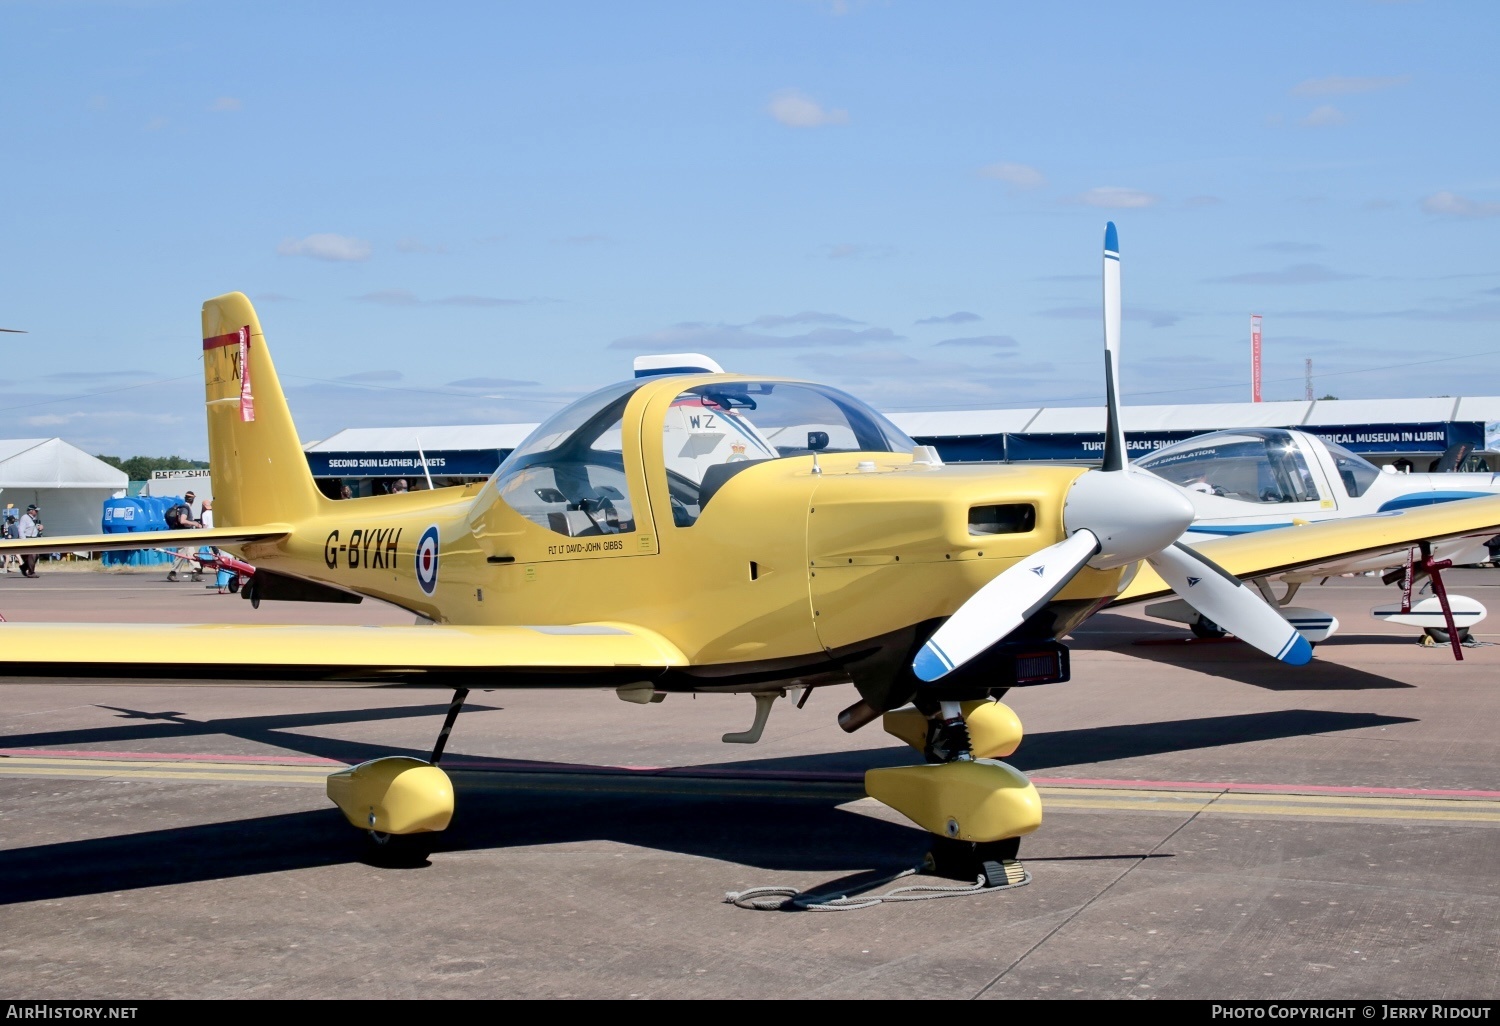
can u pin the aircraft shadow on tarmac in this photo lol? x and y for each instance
(766, 831)
(1088, 746)
(274, 730)
(1230, 659)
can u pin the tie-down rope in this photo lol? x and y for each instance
(786, 899)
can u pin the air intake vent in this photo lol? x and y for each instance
(1015, 518)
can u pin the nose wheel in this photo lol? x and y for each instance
(975, 807)
(1205, 628)
(399, 803)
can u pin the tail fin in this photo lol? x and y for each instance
(260, 475)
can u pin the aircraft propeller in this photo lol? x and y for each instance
(1113, 516)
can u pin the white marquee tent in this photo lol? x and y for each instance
(67, 483)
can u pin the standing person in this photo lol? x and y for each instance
(206, 518)
(8, 531)
(29, 526)
(399, 486)
(180, 518)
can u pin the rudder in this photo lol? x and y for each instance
(259, 472)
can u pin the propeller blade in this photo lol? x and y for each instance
(1220, 596)
(1114, 430)
(1002, 605)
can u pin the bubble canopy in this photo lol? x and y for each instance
(573, 463)
(1260, 465)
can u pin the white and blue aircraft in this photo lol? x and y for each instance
(1245, 481)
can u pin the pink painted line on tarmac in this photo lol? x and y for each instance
(59, 753)
(732, 773)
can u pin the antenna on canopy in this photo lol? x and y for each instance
(675, 363)
(423, 457)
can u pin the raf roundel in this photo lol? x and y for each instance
(427, 560)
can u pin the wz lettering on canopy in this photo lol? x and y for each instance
(373, 549)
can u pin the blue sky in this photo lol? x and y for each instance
(465, 213)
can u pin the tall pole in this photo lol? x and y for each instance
(1255, 358)
(1308, 390)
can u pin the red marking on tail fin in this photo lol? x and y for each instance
(220, 341)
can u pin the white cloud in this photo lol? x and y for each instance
(959, 317)
(1155, 318)
(1017, 176)
(805, 317)
(478, 301)
(326, 246)
(1323, 117)
(1450, 204)
(1341, 85)
(800, 111)
(985, 341)
(226, 103)
(1117, 197)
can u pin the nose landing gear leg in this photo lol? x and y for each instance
(976, 808)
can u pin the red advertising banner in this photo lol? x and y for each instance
(1255, 358)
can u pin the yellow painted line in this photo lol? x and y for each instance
(1392, 801)
(1101, 799)
(165, 764)
(144, 774)
(1229, 805)
(1355, 813)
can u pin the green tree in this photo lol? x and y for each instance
(139, 468)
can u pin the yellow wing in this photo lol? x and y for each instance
(1334, 543)
(438, 655)
(143, 540)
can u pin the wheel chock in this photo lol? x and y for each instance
(393, 795)
(973, 801)
(994, 728)
(994, 862)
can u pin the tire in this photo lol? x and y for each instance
(1440, 634)
(1206, 629)
(397, 850)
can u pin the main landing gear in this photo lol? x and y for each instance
(976, 808)
(401, 803)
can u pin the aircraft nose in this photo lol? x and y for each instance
(1133, 514)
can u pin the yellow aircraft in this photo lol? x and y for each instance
(693, 531)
